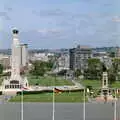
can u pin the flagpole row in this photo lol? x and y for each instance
(22, 105)
(115, 116)
(53, 105)
(84, 106)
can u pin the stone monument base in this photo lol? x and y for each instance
(14, 85)
(109, 98)
(11, 92)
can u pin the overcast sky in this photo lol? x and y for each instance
(61, 23)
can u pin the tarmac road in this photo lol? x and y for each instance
(63, 111)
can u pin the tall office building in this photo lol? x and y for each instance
(117, 52)
(24, 55)
(63, 62)
(5, 61)
(72, 58)
(79, 57)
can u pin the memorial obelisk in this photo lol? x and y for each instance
(15, 81)
(15, 71)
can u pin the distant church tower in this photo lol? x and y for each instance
(15, 81)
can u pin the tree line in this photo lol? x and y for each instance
(96, 68)
(41, 67)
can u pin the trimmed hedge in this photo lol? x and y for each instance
(0, 92)
(45, 91)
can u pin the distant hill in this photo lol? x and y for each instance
(5, 51)
(106, 49)
(100, 49)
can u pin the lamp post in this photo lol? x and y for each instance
(53, 116)
(84, 105)
(22, 104)
(115, 114)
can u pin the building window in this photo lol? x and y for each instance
(14, 82)
(105, 82)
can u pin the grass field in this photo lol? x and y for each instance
(48, 97)
(48, 81)
(116, 84)
(1, 79)
(93, 83)
(98, 83)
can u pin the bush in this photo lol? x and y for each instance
(45, 91)
(1, 69)
(0, 92)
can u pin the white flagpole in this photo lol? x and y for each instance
(22, 105)
(115, 116)
(84, 106)
(53, 116)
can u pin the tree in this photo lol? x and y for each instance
(77, 73)
(1, 69)
(112, 54)
(114, 70)
(62, 72)
(111, 76)
(94, 70)
(116, 64)
(49, 65)
(40, 67)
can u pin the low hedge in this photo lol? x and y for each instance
(45, 91)
(0, 92)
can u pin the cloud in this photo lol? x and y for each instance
(1, 24)
(8, 8)
(5, 15)
(90, 23)
(49, 31)
(51, 12)
(116, 19)
(43, 34)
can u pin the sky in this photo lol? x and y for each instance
(56, 24)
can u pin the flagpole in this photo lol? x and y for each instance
(53, 114)
(84, 106)
(53, 117)
(22, 105)
(115, 107)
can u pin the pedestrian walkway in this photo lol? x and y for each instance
(4, 98)
(1, 99)
(78, 84)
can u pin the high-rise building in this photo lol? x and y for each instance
(24, 55)
(63, 62)
(72, 58)
(5, 60)
(117, 52)
(79, 57)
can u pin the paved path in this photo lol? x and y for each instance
(63, 111)
(78, 84)
(1, 99)
(4, 99)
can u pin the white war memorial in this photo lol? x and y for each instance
(15, 82)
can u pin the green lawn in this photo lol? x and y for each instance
(48, 81)
(93, 83)
(98, 83)
(116, 84)
(48, 97)
(1, 79)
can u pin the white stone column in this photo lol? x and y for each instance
(105, 80)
